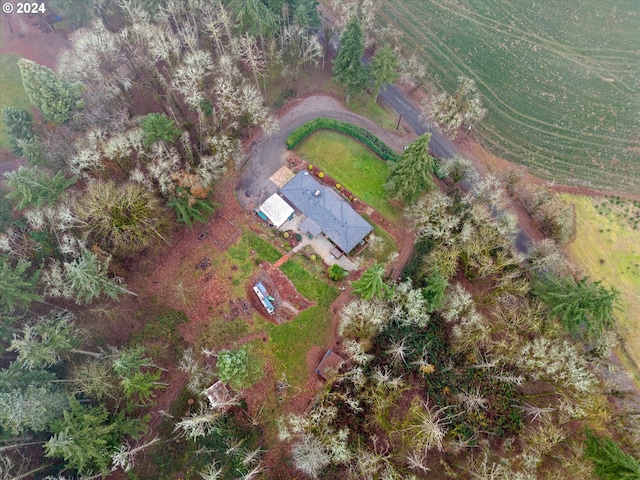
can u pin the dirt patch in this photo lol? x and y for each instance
(222, 231)
(288, 302)
(29, 37)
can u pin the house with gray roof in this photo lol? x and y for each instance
(326, 211)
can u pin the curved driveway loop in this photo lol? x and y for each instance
(267, 154)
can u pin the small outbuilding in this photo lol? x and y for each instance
(329, 365)
(275, 210)
(218, 394)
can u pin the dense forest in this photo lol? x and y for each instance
(481, 362)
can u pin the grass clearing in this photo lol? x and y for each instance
(610, 250)
(12, 93)
(363, 104)
(291, 341)
(245, 256)
(560, 79)
(351, 164)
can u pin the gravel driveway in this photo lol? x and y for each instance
(267, 154)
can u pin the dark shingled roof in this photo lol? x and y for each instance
(329, 365)
(328, 210)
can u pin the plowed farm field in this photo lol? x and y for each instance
(561, 80)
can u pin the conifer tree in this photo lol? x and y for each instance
(384, 68)
(347, 67)
(17, 286)
(87, 279)
(32, 186)
(371, 283)
(54, 97)
(86, 437)
(410, 176)
(19, 126)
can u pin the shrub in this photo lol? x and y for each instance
(238, 367)
(337, 273)
(361, 134)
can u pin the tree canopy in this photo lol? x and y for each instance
(159, 127)
(54, 97)
(19, 126)
(611, 462)
(32, 186)
(347, 67)
(371, 284)
(17, 284)
(579, 305)
(463, 107)
(121, 219)
(410, 176)
(384, 68)
(86, 436)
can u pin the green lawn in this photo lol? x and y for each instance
(291, 341)
(12, 93)
(609, 249)
(351, 164)
(560, 80)
(362, 104)
(245, 262)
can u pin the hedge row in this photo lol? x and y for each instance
(361, 134)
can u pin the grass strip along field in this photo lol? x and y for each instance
(609, 250)
(353, 165)
(561, 80)
(12, 93)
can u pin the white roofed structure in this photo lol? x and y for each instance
(277, 210)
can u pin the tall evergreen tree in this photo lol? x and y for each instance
(87, 279)
(19, 125)
(86, 437)
(255, 18)
(347, 67)
(384, 68)
(32, 186)
(54, 97)
(305, 13)
(371, 284)
(17, 285)
(32, 408)
(579, 305)
(48, 341)
(159, 127)
(611, 462)
(410, 176)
